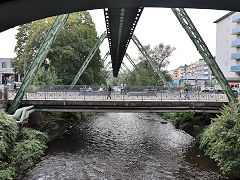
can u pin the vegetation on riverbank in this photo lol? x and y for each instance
(221, 140)
(192, 124)
(19, 150)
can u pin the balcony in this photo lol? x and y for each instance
(236, 56)
(236, 18)
(236, 43)
(236, 31)
(235, 68)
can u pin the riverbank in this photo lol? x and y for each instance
(22, 147)
(218, 137)
(192, 124)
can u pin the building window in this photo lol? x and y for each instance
(4, 64)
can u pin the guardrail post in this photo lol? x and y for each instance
(161, 96)
(6, 93)
(45, 95)
(83, 95)
(198, 96)
(142, 95)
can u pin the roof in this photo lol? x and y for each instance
(223, 17)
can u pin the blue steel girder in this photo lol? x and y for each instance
(120, 23)
(38, 60)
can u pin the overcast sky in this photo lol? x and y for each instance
(156, 25)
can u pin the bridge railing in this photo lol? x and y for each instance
(133, 93)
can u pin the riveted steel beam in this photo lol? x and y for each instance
(202, 48)
(88, 59)
(120, 24)
(38, 60)
(108, 64)
(124, 65)
(132, 62)
(151, 61)
(106, 56)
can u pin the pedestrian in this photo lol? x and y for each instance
(125, 88)
(109, 92)
(121, 88)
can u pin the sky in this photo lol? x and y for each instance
(156, 25)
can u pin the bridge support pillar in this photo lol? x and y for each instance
(89, 58)
(151, 61)
(38, 60)
(202, 48)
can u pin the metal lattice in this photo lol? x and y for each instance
(150, 60)
(37, 62)
(202, 48)
(89, 58)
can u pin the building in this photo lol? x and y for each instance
(197, 69)
(228, 46)
(6, 71)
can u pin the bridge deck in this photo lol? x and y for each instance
(124, 106)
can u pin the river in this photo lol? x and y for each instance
(124, 146)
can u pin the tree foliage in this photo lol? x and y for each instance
(8, 134)
(146, 76)
(67, 53)
(221, 140)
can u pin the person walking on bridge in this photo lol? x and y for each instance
(109, 92)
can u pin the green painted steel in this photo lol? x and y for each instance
(132, 62)
(37, 62)
(89, 58)
(125, 66)
(151, 61)
(202, 48)
(106, 56)
(108, 64)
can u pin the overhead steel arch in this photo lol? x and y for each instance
(16, 12)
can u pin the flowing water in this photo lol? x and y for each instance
(124, 146)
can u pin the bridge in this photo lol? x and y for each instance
(136, 99)
(121, 20)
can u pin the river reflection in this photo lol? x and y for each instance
(124, 146)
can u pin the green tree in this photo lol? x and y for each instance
(67, 53)
(221, 140)
(146, 76)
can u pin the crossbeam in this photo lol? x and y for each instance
(202, 48)
(132, 62)
(125, 66)
(88, 59)
(151, 61)
(120, 24)
(38, 60)
(106, 56)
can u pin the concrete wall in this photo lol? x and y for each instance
(224, 47)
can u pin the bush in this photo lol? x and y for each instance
(167, 115)
(221, 140)
(7, 174)
(8, 134)
(31, 134)
(26, 153)
(181, 118)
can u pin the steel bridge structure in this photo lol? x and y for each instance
(121, 20)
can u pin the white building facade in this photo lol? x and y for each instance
(228, 46)
(7, 74)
